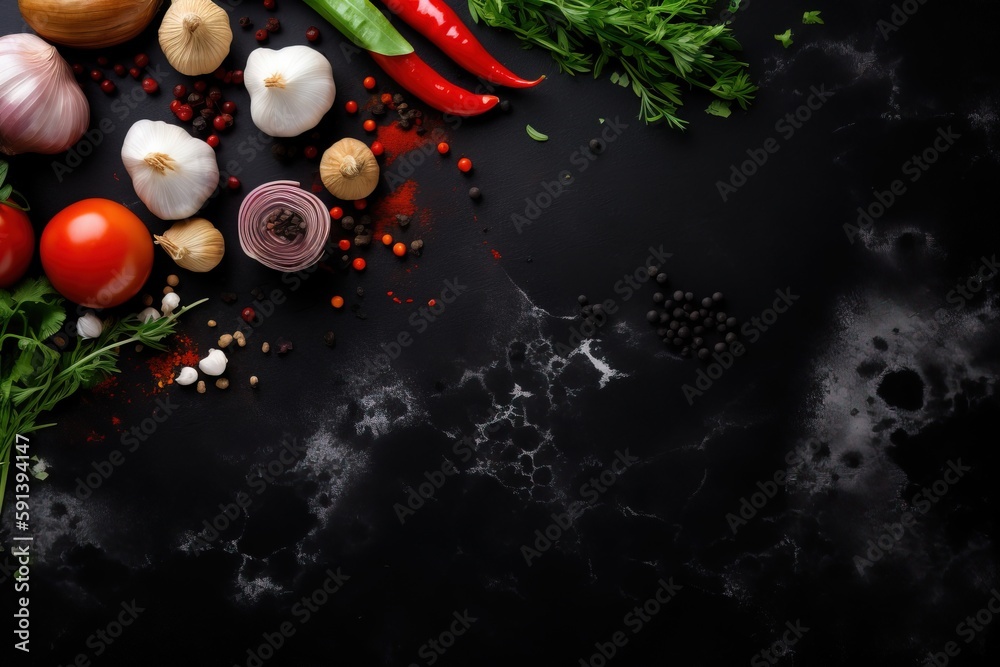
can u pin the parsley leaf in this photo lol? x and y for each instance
(719, 108)
(785, 38)
(810, 18)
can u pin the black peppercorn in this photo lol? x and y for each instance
(245, 22)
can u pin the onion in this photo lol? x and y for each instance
(42, 109)
(274, 251)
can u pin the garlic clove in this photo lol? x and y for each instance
(149, 315)
(170, 301)
(89, 326)
(173, 173)
(215, 363)
(349, 169)
(195, 36)
(290, 89)
(187, 376)
(195, 244)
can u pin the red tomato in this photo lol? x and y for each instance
(97, 253)
(17, 244)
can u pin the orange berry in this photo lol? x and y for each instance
(337, 302)
(399, 250)
(359, 264)
(344, 245)
(386, 239)
(369, 125)
(465, 165)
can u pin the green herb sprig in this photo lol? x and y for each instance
(35, 377)
(659, 45)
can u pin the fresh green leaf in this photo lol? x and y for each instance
(535, 134)
(5, 192)
(614, 77)
(734, 5)
(811, 18)
(34, 290)
(718, 108)
(4, 167)
(363, 24)
(785, 38)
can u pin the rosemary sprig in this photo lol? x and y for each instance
(658, 44)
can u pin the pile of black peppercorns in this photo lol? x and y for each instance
(693, 327)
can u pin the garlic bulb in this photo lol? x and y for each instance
(194, 244)
(215, 363)
(349, 169)
(195, 36)
(169, 302)
(42, 109)
(187, 376)
(88, 24)
(173, 173)
(89, 326)
(290, 90)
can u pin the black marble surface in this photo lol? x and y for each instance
(869, 402)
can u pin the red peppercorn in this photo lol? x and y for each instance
(360, 204)
(344, 245)
(229, 107)
(312, 33)
(377, 148)
(222, 122)
(96, 75)
(465, 165)
(233, 183)
(443, 148)
(270, 5)
(213, 140)
(261, 35)
(180, 91)
(200, 86)
(141, 60)
(369, 83)
(369, 125)
(78, 69)
(220, 73)
(175, 105)
(108, 86)
(228, 78)
(386, 98)
(120, 69)
(399, 250)
(336, 213)
(310, 152)
(102, 61)
(351, 107)
(136, 73)
(359, 264)
(185, 112)
(150, 86)
(248, 314)
(272, 25)
(238, 77)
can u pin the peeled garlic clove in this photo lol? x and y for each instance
(170, 301)
(215, 363)
(149, 315)
(173, 173)
(349, 169)
(290, 89)
(195, 36)
(89, 326)
(194, 244)
(187, 376)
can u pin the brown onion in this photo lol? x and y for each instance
(274, 251)
(88, 24)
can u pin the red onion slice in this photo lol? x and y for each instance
(274, 251)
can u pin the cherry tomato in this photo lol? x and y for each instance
(97, 253)
(17, 244)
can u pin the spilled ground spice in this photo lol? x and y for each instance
(398, 142)
(164, 365)
(401, 201)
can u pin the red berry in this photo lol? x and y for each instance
(200, 86)
(443, 148)
(377, 148)
(78, 69)
(465, 165)
(120, 69)
(261, 35)
(220, 73)
(135, 72)
(185, 112)
(180, 91)
(175, 105)
(233, 183)
(102, 61)
(213, 140)
(344, 245)
(229, 107)
(359, 264)
(238, 77)
(310, 152)
(336, 213)
(369, 83)
(361, 204)
(150, 86)
(351, 107)
(228, 78)
(369, 125)
(312, 33)
(108, 86)
(386, 98)
(96, 75)
(269, 4)
(141, 60)
(248, 314)
(222, 122)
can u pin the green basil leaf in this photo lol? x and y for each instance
(360, 22)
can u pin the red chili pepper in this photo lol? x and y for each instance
(439, 23)
(417, 77)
